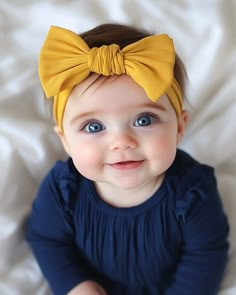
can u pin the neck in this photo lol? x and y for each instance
(125, 198)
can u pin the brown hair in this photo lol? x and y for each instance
(124, 35)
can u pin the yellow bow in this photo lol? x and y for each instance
(66, 60)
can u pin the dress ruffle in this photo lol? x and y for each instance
(193, 189)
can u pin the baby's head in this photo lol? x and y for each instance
(118, 97)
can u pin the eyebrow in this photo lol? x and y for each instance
(81, 116)
(155, 106)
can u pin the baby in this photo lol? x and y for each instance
(128, 212)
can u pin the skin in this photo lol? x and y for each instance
(88, 288)
(120, 139)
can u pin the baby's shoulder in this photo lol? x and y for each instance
(191, 173)
(192, 184)
(61, 183)
(62, 174)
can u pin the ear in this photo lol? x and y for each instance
(61, 135)
(181, 122)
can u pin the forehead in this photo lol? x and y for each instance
(113, 92)
(98, 86)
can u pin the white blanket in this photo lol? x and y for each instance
(205, 39)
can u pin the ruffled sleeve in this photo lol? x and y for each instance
(204, 228)
(194, 187)
(51, 233)
(67, 180)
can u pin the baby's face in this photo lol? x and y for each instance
(116, 135)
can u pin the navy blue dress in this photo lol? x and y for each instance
(175, 243)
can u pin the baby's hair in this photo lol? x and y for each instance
(123, 35)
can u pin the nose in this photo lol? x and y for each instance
(123, 140)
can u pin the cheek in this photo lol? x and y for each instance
(86, 159)
(163, 145)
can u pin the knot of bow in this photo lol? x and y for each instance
(106, 60)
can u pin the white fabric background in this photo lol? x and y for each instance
(204, 34)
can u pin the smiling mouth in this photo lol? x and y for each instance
(127, 165)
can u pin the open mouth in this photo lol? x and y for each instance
(127, 165)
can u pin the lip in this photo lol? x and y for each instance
(126, 165)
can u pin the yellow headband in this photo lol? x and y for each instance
(66, 60)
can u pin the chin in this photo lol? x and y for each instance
(128, 185)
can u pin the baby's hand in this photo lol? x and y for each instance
(88, 288)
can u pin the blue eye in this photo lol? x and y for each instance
(93, 127)
(144, 120)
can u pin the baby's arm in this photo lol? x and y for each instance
(51, 236)
(204, 255)
(88, 288)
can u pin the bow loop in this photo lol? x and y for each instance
(106, 60)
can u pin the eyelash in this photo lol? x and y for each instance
(154, 117)
(87, 123)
